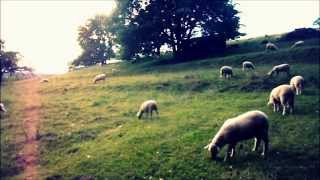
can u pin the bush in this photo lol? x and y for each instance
(301, 33)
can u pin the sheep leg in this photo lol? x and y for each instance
(265, 146)
(291, 105)
(284, 106)
(275, 107)
(227, 156)
(149, 112)
(230, 152)
(233, 151)
(256, 144)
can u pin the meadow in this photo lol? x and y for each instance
(92, 129)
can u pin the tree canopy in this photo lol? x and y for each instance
(317, 22)
(96, 41)
(146, 25)
(8, 59)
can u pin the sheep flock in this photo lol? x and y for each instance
(253, 124)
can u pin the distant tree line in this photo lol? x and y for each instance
(142, 27)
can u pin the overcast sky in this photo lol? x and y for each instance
(45, 32)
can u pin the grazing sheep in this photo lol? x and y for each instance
(297, 44)
(2, 108)
(247, 65)
(226, 72)
(282, 95)
(44, 81)
(280, 68)
(148, 107)
(100, 77)
(271, 46)
(297, 84)
(252, 124)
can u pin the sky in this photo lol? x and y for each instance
(45, 32)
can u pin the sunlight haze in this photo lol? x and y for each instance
(45, 32)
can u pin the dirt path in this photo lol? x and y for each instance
(29, 155)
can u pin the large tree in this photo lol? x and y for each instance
(96, 41)
(148, 24)
(8, 60)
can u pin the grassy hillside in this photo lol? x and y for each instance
(91, 129)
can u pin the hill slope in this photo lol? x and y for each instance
(91, 129)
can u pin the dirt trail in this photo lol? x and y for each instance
(29, 155)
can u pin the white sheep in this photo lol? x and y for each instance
(297, 84)
(252, 124)
(271, 46)
(148, 107)
(297, 44)
(226, 72)
(280, 68)
(247, 65)
(2, 108)
(282, 95)
(100, 77)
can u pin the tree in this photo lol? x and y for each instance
(150, 24)
(8, 60)
(317, 22)
(96, 41)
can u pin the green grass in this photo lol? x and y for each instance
(12, 135)
(91, 129)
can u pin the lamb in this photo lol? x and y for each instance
(271, 46)
(282, 95)
(280, 68)
(2, 108)
(252, 124)
(247, 65)
(100, 77)
(226, 72)
(297, 84)
(148, 107)
(297, 44)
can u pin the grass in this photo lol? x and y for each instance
(91, 129)
(12, 135)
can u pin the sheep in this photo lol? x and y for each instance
(252, 124)
(297, 44)
(247, 65)
(280, 68)
(2, 108)
(44, 81)
(226, 72)
(297, 84)
(99, 77)
(271, 46)
(148, 107)
(282, 95)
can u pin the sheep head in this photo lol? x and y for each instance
(213, 149)
(139, 114)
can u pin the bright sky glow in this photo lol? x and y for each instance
(262, 17)
(45, 32)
